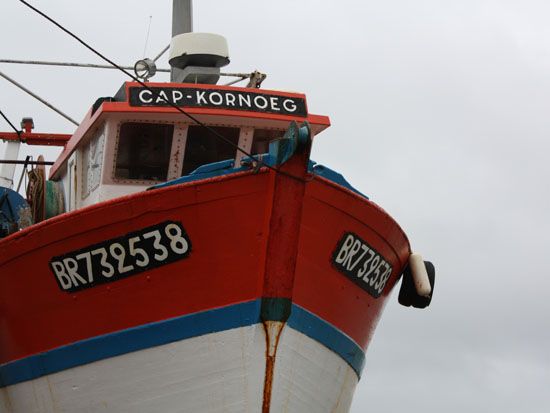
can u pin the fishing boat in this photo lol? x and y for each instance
(185, 254)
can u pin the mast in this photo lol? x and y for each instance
(182, 22)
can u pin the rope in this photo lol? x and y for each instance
(35, 194)
(156, 94)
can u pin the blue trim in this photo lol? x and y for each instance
(175, 329)
(126, 341)
(226, 167)
(332, 175)
(328, 335)
(209, 170)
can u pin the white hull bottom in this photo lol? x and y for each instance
(218, 372)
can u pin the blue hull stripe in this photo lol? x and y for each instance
(175, 329)
(328, 335)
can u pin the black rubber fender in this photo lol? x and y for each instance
(407, 293)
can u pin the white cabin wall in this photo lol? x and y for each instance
(110, 188)
(97, 194)
(111, 132)
(93, 197)
(106, 192)
(70, 176)
(64, 178)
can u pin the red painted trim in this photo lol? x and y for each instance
(46, 139)
(128, 85)
(124, 107)
(286, 199)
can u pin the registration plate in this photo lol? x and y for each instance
(362, 264)
(121, 257)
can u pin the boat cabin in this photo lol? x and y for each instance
(135, 140)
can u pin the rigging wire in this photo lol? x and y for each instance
(45, 102)
(156, 94)
(11, 124)
(242, 76)
(161, 53)
(70, 64)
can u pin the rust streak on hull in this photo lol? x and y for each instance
(273, 330)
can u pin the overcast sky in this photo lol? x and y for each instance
(440, 113)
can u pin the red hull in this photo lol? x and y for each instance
(230, 221)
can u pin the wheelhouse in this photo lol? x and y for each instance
(122, 148)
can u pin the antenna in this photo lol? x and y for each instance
(147, 36)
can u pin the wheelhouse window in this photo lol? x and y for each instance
(262, 137)
(143, 151)
(205, 147)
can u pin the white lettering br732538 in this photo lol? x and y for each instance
(362, 264)
(121, 257)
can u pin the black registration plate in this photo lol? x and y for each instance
(121, 257)
(362, 264)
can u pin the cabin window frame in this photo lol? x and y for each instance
(240, 127)
(246, 137)
(245, 142)
(177, 154)
(178, 148)
(281, 131)
(176, 140)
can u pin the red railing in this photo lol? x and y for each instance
(45, 139)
